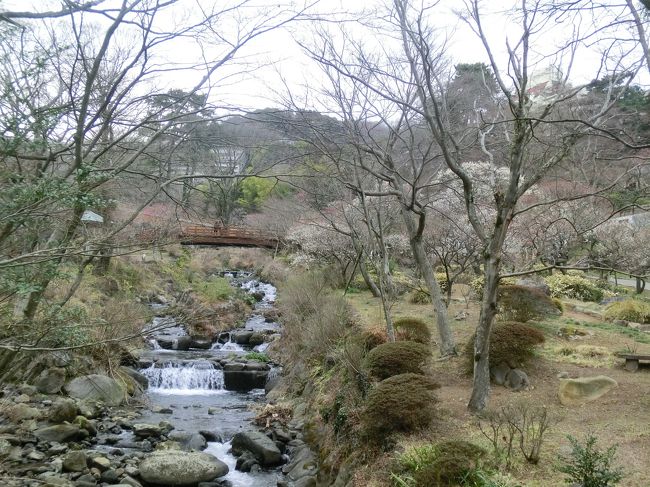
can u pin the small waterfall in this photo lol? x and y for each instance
(268, 290)
(154, 344)
(229, 346)
(191, 378)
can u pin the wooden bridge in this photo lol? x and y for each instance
(226, 236)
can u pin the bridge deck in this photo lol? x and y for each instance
(226, 236)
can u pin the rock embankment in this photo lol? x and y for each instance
(54, 441)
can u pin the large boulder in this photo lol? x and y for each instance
(51, 380)
(62, 411)
(139, 378)
(261, 446)
(179, 468)
(61, 433)
(573, 392)
(96, 387)
(74, 461)
(244, 380)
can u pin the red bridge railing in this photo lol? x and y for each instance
(209, 235)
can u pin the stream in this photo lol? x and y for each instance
(188, 387)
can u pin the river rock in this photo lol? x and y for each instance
(261, 446)
(61, 433)
(64, 410)
(50, 381)
(573, 392)
(74, 461)
(256, 338)
(139, 378)
(241, 337)
(178, 468)
(144, 430)
(22, 411)
(96, 387)
(201, 343)
(244, 380)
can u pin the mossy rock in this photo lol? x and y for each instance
(412, 329)
(402, 403)
(511, 343)
(394, 358)
(455, 462)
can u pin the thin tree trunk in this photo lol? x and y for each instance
(481, 386)
(367, 279)
(640, 285)
(447, 342)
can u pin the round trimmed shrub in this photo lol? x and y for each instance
(394, 358)
(511, 343)
(454, 463)
(412, 329)
(573, 287)
(370, 338)
(400, 403)
(629, 310)
(522, 303)
(476, 285)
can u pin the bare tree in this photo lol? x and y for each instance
(78, 117)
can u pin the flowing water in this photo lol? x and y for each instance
(190, 384)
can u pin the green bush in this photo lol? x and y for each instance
(629, 310)
(216, 289)
(420, 296)
(511, 342)
(522, 303)
(413, 329)
(402, 403)
(590, 467)
(447, 463)
(573, 287)
(257, 356)
(476, 285)
(455, 463)
(394, 358)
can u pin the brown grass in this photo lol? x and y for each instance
(621, 416)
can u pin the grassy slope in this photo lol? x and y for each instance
(618, 417)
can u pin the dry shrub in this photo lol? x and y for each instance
(402, 403)
(511, 343)
(371, 337)
(522, 303)
(629, 310)
(413, 329)
(586, 355)
(396, 358)
(315, 318)
(274, 271)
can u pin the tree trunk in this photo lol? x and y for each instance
(640, 285)
(447, 342)
(481, 386)
(367, 279)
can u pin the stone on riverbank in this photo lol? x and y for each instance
(178, 468)
(261, 446)
(62, 411)
(96, 387)
(61, 433)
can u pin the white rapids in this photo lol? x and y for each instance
(180, 379)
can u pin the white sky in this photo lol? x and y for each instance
(276, 55)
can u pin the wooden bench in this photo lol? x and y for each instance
(632, 360)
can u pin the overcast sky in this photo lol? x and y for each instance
(275, 56)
